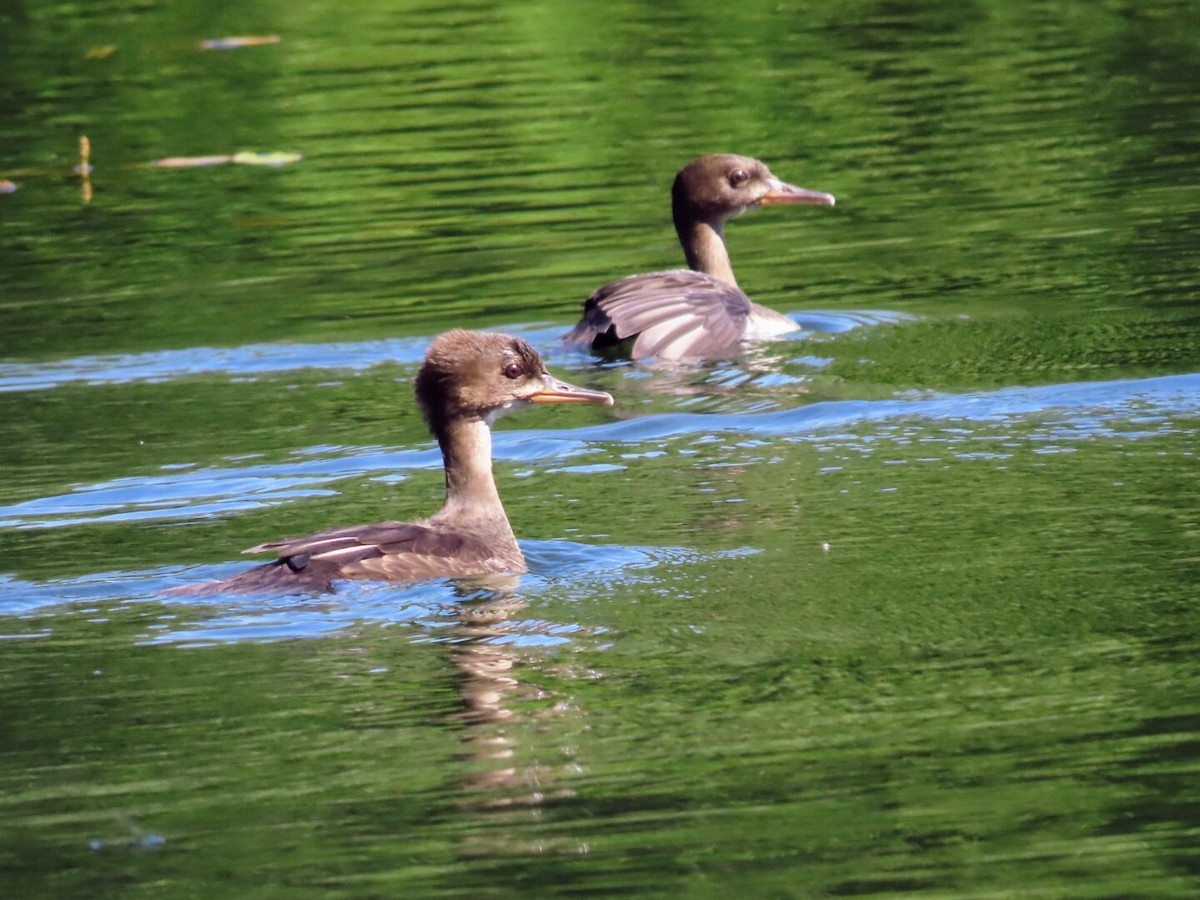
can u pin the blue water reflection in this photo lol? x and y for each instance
(254, 360)
(561, 570)
(1128, 409)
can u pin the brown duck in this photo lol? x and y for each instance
(698, 312)
(468, 380)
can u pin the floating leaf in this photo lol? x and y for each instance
(189, 162)
(248, 158)
(233, 43)
(245, 158)
(103, 52)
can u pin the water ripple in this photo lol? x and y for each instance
(1129, 408)
(559, 570)
(249, 360)
(253, 360)
(1085, 404)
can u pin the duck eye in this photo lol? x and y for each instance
(738, 177)
(514, 370)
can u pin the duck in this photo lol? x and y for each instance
(468, 380)
(698, 312)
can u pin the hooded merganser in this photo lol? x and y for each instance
(697, 312)
(468, 380)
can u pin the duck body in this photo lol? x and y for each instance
(698, 312)
(468, 380)
(386, 551)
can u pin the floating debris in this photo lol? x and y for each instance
(188, 162)
(140, 842)
(135, 838)
(233, 43)
(243, 158)
(249, 158)
(84, 170)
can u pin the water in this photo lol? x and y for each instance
(904, 605)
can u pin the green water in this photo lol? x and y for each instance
(905, 605)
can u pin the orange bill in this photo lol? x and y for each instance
(781, 192)
(555, 391)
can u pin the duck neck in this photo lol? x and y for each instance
(471, 496)
(704, 245)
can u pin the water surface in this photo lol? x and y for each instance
(904, 604)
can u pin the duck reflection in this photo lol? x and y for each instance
(508, 774)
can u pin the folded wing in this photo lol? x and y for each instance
(393, 551)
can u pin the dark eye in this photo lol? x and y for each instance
(738, 177)
(514, 370)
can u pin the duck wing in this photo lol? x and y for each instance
(671, 315)
(391, 551)
(358, 542)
